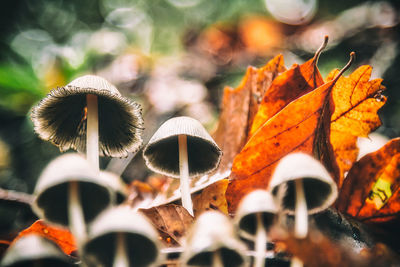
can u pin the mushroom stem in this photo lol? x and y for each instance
(216, 259)
(92, 131)
(296, 262)
(76, 218)
(300, 219)
(301, 215)
(260, 242)
(184, 174)
(120, 258)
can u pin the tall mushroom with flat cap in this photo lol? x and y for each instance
(34, 250)
(309, 189)
(212, 241)
(89, 115)
(121, 237)
(58, 200)
(254, 217)
(182, 148)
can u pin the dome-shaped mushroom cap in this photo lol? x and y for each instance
(141, 239)
(116, 184)
(51, 191)
(319, 188)
(213, 231)
(32, 249)
(162, 152)
(258, 201)
(60, 117)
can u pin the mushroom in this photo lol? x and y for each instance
(212, 242)
(89, 114)
(34, 250)
(121, 237)
(254, 217)
(58, 200)
(308, 189)
(116, 184)
(182, 148)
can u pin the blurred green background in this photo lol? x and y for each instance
(172, 56)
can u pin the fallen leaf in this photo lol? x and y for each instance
(299, 126)
(211, 198)
(318, 250)
(285, 88)
(357, 100)
(345, 151)
(265, 77)
(239, 107)
(231, 133)
(370, 191)
(292, 129)
(62, 237)
(172, 222)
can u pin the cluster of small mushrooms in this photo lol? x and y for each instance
(89, 115)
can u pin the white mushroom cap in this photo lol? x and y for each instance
(213, 231)
(319, 188)
(51, 191)
(60, 117)
(116, 183)
(258, 201)
(31, 248)
(161, 154)
(141, 239)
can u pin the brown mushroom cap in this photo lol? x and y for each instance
(213, 231)
(319, 188)
(141, 239)
(60, 117)
(51, 191)
(34, 250)
(161, 154)
(258, 201)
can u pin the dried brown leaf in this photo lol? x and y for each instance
(172, 222)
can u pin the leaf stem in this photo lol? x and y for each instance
(348, 64)
(320, 49)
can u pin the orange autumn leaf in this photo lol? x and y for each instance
(265, 76)
(371, 190)
(357, 100)
(285, 88)
(239, 107)
(231, 133)
(62, 237)
(211, 198)
(294, 128)
(345, 150)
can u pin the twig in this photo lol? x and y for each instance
(14, 196)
